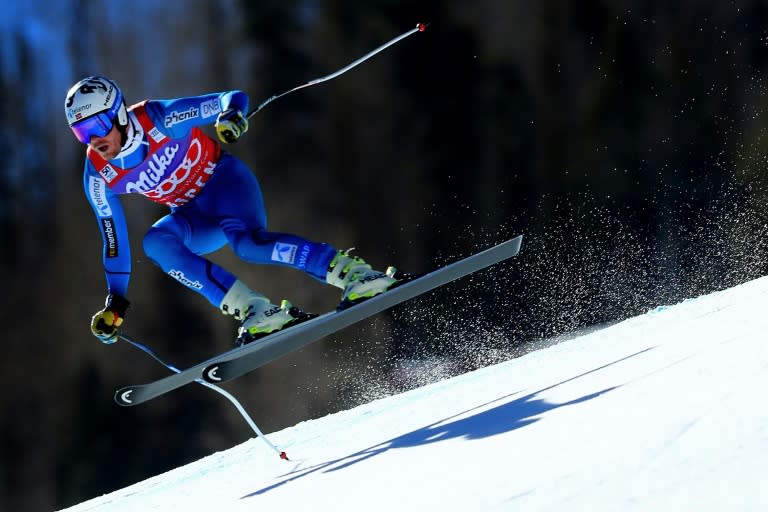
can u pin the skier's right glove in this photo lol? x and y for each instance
(106, 322)
(231, 125)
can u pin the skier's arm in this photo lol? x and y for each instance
(116, 256)
(175, 117)
(106, 207)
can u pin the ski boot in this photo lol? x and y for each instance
(257, 315)
(358, 280)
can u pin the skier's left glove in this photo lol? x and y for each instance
(106, 322)
(231, 125)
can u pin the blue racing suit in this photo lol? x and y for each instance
(214, 199)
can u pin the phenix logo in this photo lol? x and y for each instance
(176, 117)
(180, 277)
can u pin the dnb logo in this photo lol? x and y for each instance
(284, 253)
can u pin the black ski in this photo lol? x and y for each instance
(241, 360)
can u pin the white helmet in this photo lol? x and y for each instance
(92, 105)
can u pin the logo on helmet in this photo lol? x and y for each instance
(92, 96)
(88, 87)
(108, 99)
(77, 112)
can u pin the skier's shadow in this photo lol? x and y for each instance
(506, 417)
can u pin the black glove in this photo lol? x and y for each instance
(105, 323)
(231, 125)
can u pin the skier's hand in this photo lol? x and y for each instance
(106, 322)
(231, 125)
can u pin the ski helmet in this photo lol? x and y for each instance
(92, 105)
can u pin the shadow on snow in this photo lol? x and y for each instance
(506, 417)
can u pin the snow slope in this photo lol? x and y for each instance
(663, 412)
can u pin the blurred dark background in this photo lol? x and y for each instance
(625, 139)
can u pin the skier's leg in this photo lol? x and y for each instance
(176, 247)
(176, 243)
(234, 196)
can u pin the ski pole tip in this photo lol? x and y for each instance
(421, 26)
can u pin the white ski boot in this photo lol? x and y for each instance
(257, 315)
(357, 279)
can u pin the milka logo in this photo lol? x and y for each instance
(180, 175)
(180, 277)
(155, 172)
(179, 117)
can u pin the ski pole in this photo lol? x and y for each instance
(219, 390)
(420, 27)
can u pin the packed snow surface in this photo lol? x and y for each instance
(662, 412)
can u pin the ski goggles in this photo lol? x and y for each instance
(95, 126)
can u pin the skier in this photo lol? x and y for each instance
(156, 148)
